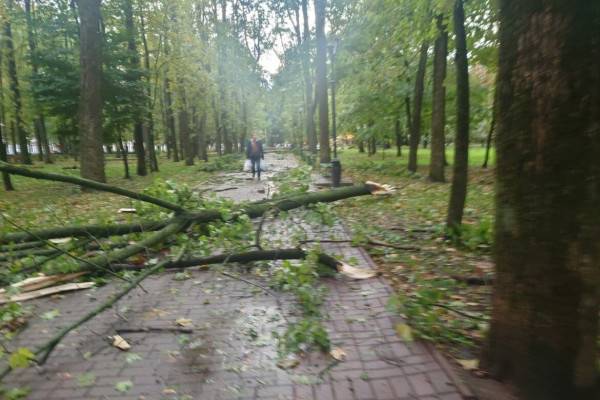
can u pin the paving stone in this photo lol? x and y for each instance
(220, 360)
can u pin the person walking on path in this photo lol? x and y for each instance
(255, 153)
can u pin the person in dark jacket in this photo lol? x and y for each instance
(255, 153)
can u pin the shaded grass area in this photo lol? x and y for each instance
(40, 203)
(437, 306)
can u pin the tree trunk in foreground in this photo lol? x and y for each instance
(149, 122)
(415, 130)
(321, 81)
(438, 115)
(544, 328)
(90, 106)
(458, 191)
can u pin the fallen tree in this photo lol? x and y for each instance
(158, 233)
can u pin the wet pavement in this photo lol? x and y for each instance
(212, 336)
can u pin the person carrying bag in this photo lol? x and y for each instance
(255, 153)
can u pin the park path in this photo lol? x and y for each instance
(226, 350)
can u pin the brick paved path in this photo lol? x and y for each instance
(230, 353)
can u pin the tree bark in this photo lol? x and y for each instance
(135, 79)
(14, 87)
(311, 130)
(39, 123)
(8, 186)
(170, 120)
(544, 328)
(184, 128)
(415, 131)
(149, 121)
(124, 156)
(458, 190)
(488, 141)
(438, 115)
(90, 106)
(398, 134)
(321, 81)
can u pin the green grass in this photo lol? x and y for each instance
(40, 203)
(414, 217)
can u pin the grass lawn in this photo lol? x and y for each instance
(41, 203)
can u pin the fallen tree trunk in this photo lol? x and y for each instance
(97, 231)
(245, 257)
(14, 170)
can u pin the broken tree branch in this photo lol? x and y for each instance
(99, 231)
(14, 170)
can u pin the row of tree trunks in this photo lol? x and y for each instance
(149, 121)
(438, 115)
(21, 134)
(39, 123)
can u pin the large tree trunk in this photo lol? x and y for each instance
(3, 157)
(172, 138)
(184, 128)
(135, 79)
(321, 81)
(90, 105)
(544, 329)
(415, 130)
(458, 191)
(14, 87)
(149, 121)
(311, 130)
(438, 115)
(39, 123)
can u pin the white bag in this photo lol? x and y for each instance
(264, 166)
(248, 166)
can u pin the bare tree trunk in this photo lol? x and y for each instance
(149, 121)
(90, 107)
(438, 115)
(3, 157)
(321, 81)
(415, 131)
(39, 122)
(458, 190)
(135, 79)
(170, 121)
(311, 131)
(544, 328)
(14, 87)
(488, 142)
(202, 151)
(184, 128)
(399, 138)
(124, 155)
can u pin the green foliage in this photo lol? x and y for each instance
(18, 393)
(20, 358)
(477, 236)
(304, 335)
(293, 181)
(10, 314)
(301, 278)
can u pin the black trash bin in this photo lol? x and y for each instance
(336, 173)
